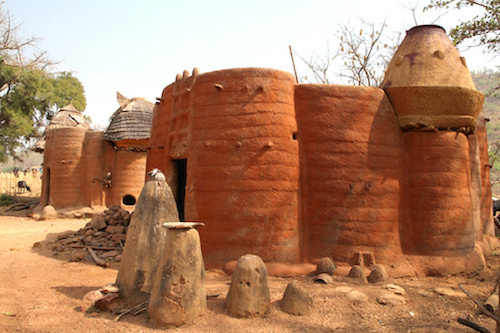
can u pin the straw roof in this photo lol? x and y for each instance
(67, 116)
(132, 120)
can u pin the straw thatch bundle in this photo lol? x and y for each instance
(67, 116)
(132, 121)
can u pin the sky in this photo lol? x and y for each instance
(137, 47)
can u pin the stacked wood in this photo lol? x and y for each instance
(101, 240)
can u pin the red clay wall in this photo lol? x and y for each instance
(439, 193)
(93, 155)
(236, 129)
(352, 160)
(128, 172)
(486, 202)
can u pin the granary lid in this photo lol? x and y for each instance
(132, 120)
(67, 116)
(183, 225)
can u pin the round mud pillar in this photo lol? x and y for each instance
(128, 178)
(352, 152)
(66, 167)
(243, 166)
(440, 203)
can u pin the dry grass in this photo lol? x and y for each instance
(8, 183)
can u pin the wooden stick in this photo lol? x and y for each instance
(96, 259)
(472, 325)
(134, 309)
(293, 63)
(480, 305)
(103, 248)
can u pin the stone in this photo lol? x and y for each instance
(89, 300)
(110, 288)
(449, 292)
(326, 265)
(397, 290)
(109, 302)
(48, 213)
(109, 254)
(98, 222)
(78, 256)
(248, 294)
(145, 239)
(357, 273)
(378, 274)
(390, 298)
(423, 293)
(323, 278)
(296, 300)
(357, 296)
(178, 295)
(117, 238)
(115, 229)
(344, 289)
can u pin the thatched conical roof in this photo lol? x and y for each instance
(132, 120)
(67, 116)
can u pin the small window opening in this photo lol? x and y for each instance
(129, 200)
(294, 135)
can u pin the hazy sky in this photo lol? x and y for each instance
(137, 47)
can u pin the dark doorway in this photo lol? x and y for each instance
(181, 172)
(46, 176)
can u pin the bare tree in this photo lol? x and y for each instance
(363, 52)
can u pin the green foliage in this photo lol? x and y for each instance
(6, 200)
(32, 97)
(483, 29)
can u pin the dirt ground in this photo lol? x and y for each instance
(39, 293)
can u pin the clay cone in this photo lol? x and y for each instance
(178, 295)
(145, 239)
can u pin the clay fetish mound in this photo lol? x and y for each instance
(249, 291)
(179, 295)
(326, 265)
(357, 273)
(296, 300)
(145, 239)
(48, 213)
(378, 274)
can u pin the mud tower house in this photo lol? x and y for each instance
(87, 170)
(294, 172)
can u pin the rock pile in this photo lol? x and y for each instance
(100, 241)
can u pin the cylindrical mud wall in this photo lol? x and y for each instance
(486, 202)
(160, 129)
(352, 163)
(243, 165)
(63, 156)
(128, 177)
(439, 193)
(94, 149)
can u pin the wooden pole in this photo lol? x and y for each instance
(293, 63)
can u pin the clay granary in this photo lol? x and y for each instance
(86, 170)
(296, 172)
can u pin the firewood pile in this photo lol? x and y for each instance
(101, 240)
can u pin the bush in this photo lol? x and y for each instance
(6, 200)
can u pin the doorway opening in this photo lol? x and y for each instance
(180, 167)
(46, 194)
